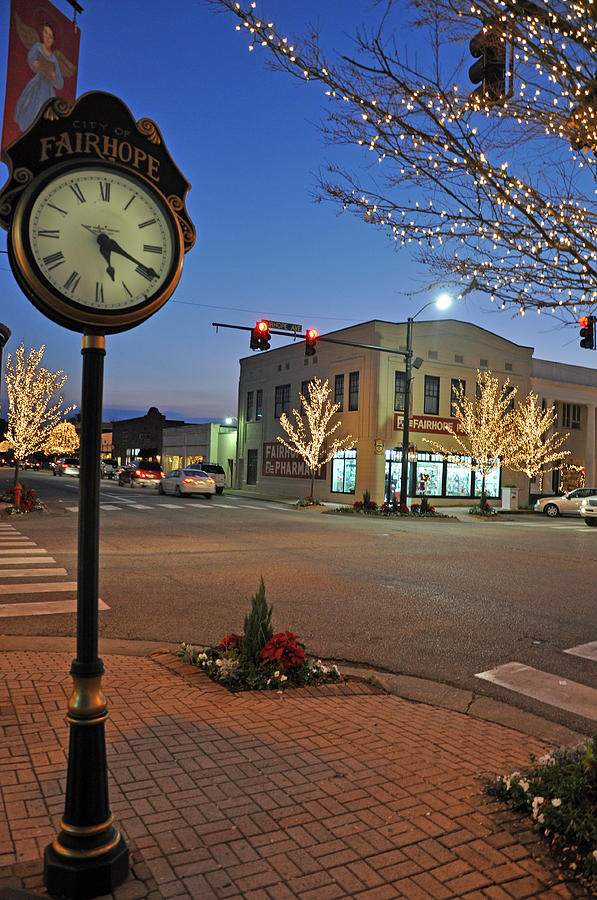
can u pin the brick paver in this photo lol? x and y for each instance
(333, 793)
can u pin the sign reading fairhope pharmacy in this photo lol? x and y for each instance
(427, 424)
(280, 462)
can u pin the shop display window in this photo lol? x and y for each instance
(492, 483)
(458, 480)
(344, 472)
(430, 469)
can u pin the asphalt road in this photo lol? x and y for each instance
(441, 599)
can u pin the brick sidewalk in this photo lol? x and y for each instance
(335, 792)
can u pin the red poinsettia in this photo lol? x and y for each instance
(231, 642)
(283, 648)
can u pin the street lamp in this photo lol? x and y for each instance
(441, 302)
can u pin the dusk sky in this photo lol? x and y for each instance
(247, 140)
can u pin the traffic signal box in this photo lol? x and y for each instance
(310, 342)
(260, 336)
(489, 72)
(587, 332)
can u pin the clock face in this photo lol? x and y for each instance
(95, 242)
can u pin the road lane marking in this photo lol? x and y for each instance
(135, 506)
(551, 689)
(28, 550)
(22, 560)
(41, 588)
(43, 608)
(109, 506)
(587, 651)
(9, 573)
(170, 505)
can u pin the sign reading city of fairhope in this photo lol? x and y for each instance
(427, 424)
(280, 462)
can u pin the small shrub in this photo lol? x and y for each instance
(28, 501)
(485, 510)
(560, 794)
(257, 631)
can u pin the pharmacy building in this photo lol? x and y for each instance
(369, 386)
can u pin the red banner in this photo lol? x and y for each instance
(43, 56)
(280, 462)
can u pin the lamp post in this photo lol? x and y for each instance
(442, 302)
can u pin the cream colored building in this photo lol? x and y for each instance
(370, 384)
(208, 442)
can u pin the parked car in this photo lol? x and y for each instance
(31, 463)
(187, 481)
(567, 505)
(68, 466)
(143, 472)
(588, 509)
(108, 468)
(216, 471)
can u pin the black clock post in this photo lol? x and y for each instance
(88, 857)
(79, 175)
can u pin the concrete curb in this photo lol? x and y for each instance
(408, 687)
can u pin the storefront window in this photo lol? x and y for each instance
(458, 480)
(430, 469)
(344, 472)
(492, 483)
(393, 474)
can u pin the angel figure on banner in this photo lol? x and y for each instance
(50, 67)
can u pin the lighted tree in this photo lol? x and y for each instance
(33, 407)
(311, 434)
(536, 448)
(495, 193)
(63, 438)
(485, 429)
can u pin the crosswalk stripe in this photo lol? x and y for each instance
(587, 651)
(43, 608)
(22, 560)
(9, 573)
(42, 588)
(551, 689)
(109, 506)
(170, 505)
(28, 550)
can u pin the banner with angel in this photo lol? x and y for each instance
(43, 55)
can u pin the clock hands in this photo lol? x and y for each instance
(108, 245)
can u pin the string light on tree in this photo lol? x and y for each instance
(311, 434)
(505, 191)
(63, 439)
(536, 446)
(33, 408)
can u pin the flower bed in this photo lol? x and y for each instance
(258, 659)
(28, 501)
(559, 792)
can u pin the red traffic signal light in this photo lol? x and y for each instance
(310, 342)
(587, 332)
(260, 336)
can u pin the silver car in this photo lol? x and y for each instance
(567, 505)
(187, 481)
(588, 509)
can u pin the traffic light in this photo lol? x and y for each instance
(587, 332)
(490, 69)
(310, 342)
(260, 336)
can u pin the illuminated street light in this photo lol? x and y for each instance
(441, 302)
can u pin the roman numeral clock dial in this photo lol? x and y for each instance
(95, 245)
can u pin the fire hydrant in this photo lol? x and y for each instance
(18, 494)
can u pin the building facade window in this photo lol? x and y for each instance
(306, 390)
(250, 396)
(510, 392)
(282, 401)
(431, 398)
(457, 389)
(344, 472)
(399, 391)
(259, 404)
(571, 415)
(353, 391)
(339, 391)
(251, 466)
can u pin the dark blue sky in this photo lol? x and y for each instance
(247, 140)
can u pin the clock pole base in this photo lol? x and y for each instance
(81, 879)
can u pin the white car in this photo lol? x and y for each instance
(215, 470)
(187, 481)
(588, 509)
(567, 505)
